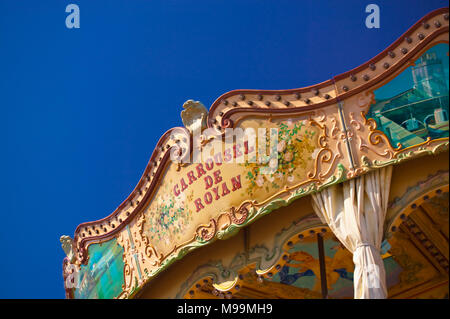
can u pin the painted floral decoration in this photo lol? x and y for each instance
(296, 144)
(169, 219)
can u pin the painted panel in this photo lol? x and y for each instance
(199, 193)
(302, 269)
(414, 106)
(405, 266)
(102, 277)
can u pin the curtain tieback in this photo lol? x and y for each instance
(363, 244)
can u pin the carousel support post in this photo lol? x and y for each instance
(323, 272)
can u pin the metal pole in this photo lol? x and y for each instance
(347, 140)
(323, 272)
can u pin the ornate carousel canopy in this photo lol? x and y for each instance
(343, 139)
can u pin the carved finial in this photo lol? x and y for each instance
(366, 161)
(67, 246)
(194, 115)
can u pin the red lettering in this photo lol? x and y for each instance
(191, 177)
(183, 184)
(216, 192)
(200, 170)
(246, 148)
(217, 177)
(227, 156)
(236, 150)
(208, 198)
(176, 191)
(236, 181)
(225, 190)
(198, 204)
(208, 182)
(211, 164)
(218, 159)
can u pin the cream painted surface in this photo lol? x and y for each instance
(409, 173)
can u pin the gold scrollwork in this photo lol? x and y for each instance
(325, 155)
(123, 240)
(207, 231)
(323, 115)
(387, 153)
(127, 277)
(149, 249)
(354, 122)
(243, 211)
(336, 156)
(334, 130)
(377, 137)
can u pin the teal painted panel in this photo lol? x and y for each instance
(302, 269)
(102, 277)
(415, 104)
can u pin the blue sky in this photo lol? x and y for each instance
(81, 109)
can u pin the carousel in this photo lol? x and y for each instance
(337, 190)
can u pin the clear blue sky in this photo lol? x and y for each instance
(81, 109)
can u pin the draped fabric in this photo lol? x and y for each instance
(355, 211)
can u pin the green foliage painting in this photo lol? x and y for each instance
(102, 277)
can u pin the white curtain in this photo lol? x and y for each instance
(355, 211)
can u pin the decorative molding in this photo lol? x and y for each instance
(260, 256)
(400, 207)
(105, 228)
(337, 89)
(426, 244)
